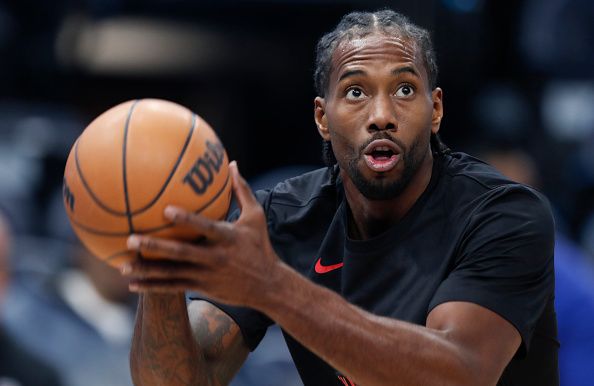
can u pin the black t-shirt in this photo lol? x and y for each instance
(472, 236)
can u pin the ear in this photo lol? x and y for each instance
(437, 97)
(320, 118)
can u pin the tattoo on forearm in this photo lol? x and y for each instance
(164, 349)
(221, 341)
(172, 351)
(212, 332)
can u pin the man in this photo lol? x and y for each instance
(403, 264)
(18, 367)
(78, 319)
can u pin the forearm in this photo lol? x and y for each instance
(369, 349)
(163, 349)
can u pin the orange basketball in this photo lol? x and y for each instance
(134, 160)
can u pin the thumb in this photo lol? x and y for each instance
(243, 193)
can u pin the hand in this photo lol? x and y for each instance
(233, 264)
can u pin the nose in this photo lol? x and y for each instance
(382, 114)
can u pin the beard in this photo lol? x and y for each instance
(384, 188)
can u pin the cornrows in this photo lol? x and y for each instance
(360, 24)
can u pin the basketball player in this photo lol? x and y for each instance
(402, 263)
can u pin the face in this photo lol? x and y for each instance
(379, 113)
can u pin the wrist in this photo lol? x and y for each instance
(288, 293)
(275, 288)
(158, 298)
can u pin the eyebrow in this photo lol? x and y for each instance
(396, 72)
(406, 69)
(350, 73)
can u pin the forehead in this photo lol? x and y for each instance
(376, 47)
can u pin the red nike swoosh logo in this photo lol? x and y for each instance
(326, 268)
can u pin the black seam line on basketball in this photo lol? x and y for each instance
(147, 230)
(138, 211)
(127, 252)
(98, 232)
(117, 254)
(179, 159)
(88, 188)
(197, 211)
(121, 253)
(124, 171)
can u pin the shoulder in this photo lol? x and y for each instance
(473, 185)
(302, 198)
(488, 212)
(300, 191)
(462, 170)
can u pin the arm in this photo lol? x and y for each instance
(462, 344)
(172, 346)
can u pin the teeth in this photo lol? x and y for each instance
(382, 148)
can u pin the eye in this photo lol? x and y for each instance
(405, 91)
(354, 93)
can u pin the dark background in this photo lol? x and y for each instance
(517, 75)
(514, 74)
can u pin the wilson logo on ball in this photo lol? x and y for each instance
(202, 173)
(134, 160)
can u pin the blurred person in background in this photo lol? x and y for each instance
(574, 274)
(78, 318)
(18, 367)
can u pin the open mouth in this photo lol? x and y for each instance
(381, 155)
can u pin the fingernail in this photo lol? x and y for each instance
(126, 268)
(133, 242)
(170, 212)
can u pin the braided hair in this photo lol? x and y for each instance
(358, 25)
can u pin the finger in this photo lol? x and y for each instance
(210, 229)
(242, 191)
(156, 248)
(162, 286)
(160, 269)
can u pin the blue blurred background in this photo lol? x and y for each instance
(518, 81)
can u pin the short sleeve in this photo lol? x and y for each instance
(253, 324)
(505, 259)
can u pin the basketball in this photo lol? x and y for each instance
(134, 160)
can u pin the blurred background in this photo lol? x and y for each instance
(518, 81)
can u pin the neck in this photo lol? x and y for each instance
(369, 218)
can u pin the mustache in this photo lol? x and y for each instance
(382, 135)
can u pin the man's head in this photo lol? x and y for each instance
(378, 108)
(360, 24)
